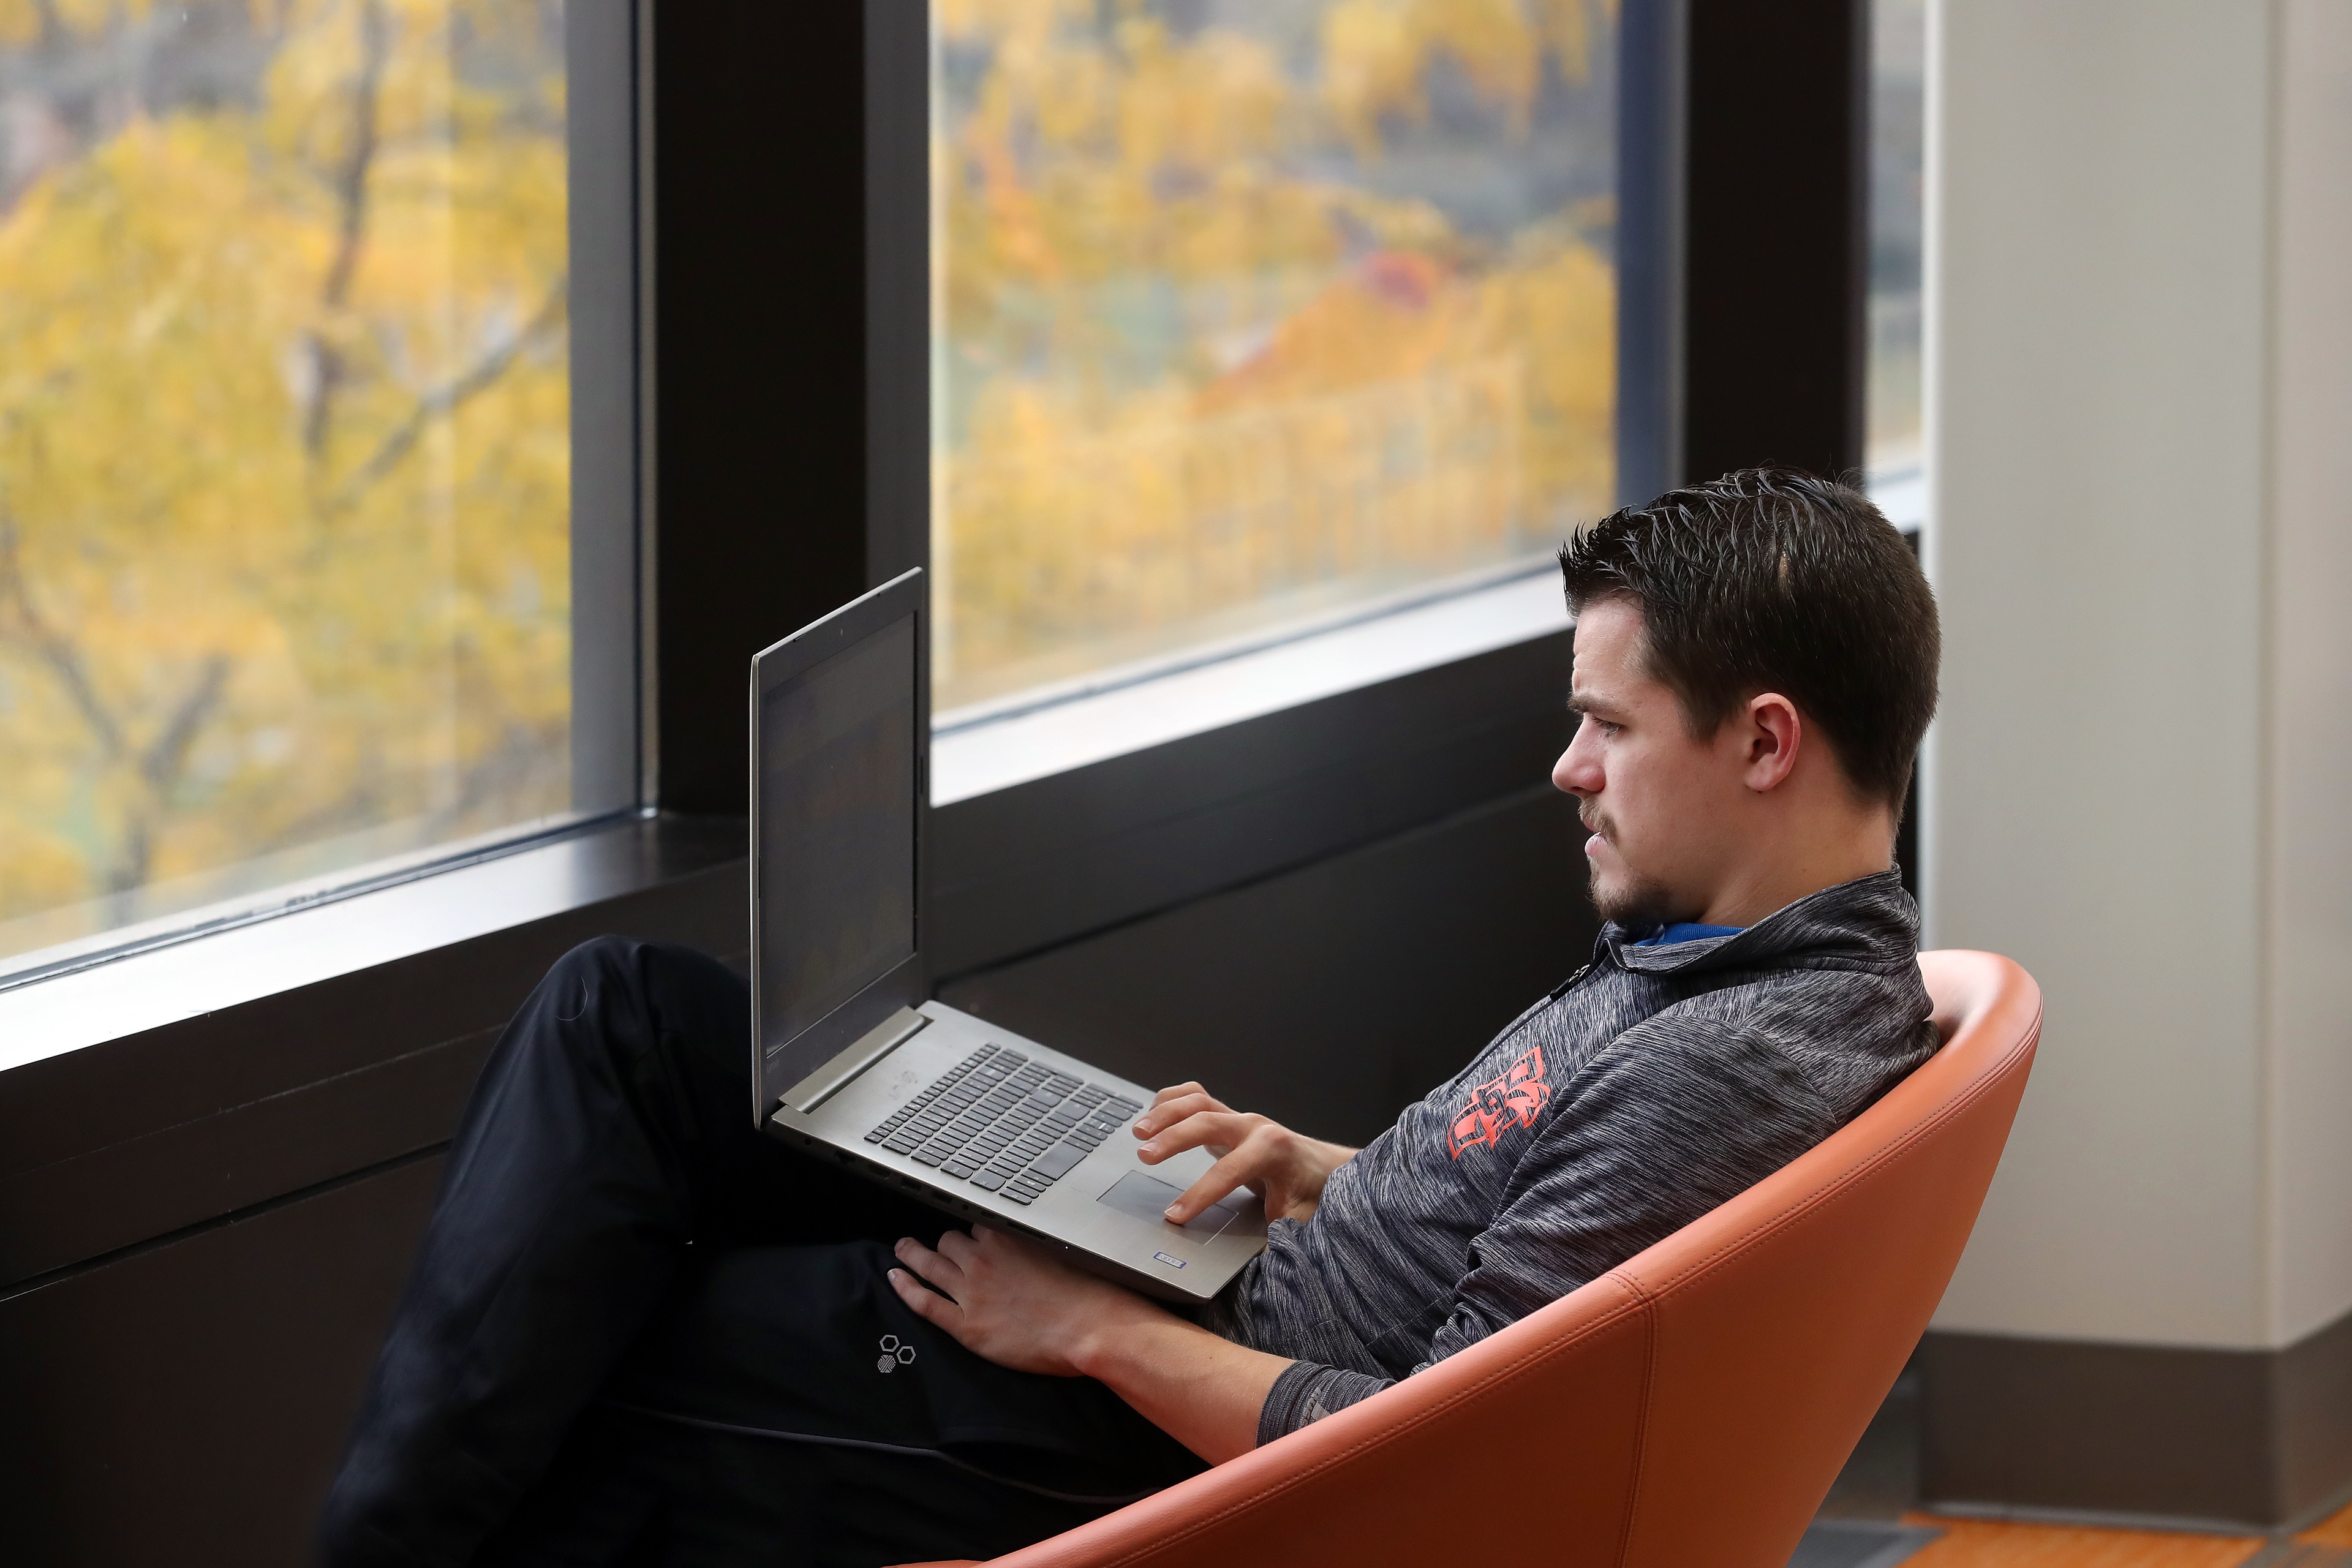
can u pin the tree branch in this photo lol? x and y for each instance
(159, 770)
(351, 184)
(445, 400)
(162, 763)
(22, 622)
(351, 200)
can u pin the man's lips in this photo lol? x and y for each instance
(1595, 825)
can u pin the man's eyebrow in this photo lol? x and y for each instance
(1600, 707)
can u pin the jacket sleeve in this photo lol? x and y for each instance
(1307, 1391)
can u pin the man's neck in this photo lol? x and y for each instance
(1800, 870)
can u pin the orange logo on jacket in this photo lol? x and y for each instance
(1511, 1100)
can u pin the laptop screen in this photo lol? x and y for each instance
(836, 829)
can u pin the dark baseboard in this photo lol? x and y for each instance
(2248, 1438)
(2311, 1385)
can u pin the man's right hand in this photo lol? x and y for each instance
(1277, 1164)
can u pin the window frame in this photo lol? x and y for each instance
(609, 122)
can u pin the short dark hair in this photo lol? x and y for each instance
(1771, 580)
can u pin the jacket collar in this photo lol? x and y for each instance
(1867, 924)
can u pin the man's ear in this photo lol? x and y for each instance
(1774, 734)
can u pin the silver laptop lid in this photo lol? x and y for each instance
(840, 757)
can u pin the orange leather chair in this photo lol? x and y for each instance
(1687, 1410)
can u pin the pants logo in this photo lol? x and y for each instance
(894, 1353)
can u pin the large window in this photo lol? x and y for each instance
(1253, 316)
(286, 522)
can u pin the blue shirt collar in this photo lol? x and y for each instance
(1686, 930)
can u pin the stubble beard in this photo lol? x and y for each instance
(1628, 899)
(1632, 903)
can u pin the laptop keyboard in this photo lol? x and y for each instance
(1005, 1123)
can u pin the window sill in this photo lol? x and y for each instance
(978, 751)
(173, 1087)
(210, 972)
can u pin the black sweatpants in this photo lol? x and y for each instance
(640, 1331)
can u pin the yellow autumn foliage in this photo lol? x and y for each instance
(284, 464)
(1206, 363)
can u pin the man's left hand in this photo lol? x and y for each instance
(1014, 1302)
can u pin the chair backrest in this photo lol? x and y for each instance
(1690, 1407)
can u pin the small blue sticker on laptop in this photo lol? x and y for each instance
(1171, 1262)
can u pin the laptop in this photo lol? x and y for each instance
(853, 1061)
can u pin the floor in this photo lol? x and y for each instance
(1871, 1519)
(1978, 1543)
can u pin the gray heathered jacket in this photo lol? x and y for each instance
(1653, 1085)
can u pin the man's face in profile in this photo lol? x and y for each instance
(1649, 792)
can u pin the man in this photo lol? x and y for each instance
(639, 1332)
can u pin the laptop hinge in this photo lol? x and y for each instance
(838, 1074)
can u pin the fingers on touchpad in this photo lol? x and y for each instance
(1147, 1197)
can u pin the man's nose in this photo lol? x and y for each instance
(1572, 775)
(1577, 769)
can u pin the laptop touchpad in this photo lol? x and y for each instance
(1147, 1198)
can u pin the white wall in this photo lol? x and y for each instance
(2136, 784)
(2309, 913)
